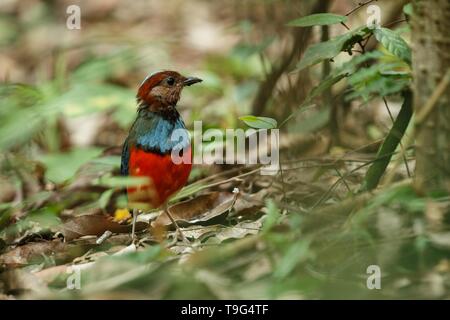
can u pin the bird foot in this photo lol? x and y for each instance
(180, 235)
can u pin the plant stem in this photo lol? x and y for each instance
(392, 140)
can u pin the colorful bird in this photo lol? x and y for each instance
(148, 150)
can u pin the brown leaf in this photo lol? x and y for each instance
(200, 209)
(19, 281)
(249, 204)
(50, 274)
(240, 230)
(96, 225)
(31, 253)
(201, 232)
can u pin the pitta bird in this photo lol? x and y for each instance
(149, 148)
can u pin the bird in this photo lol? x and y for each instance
(147, 150)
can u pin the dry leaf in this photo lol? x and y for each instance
(200, 209)
(96, 225)
(248, 204)
(240, 230)
(21, 281)
(31, 253)
(201, 232)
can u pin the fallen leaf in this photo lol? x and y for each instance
(31, 253)
(240, 230)
(201, 232)
(51, 274)
(19, 281)
(200, 209)
(96, 225)
(248, 204)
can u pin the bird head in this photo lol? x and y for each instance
(161, 91)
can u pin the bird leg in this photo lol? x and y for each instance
(133, 228)
(178, 229)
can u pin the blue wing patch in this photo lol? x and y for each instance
(125, 159)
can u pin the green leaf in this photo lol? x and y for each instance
(118, 181)
(380, 79)
(273, 216)
(105, 198)
(259, 122)
(325, 85)
(311, 123)
(22, 114)
(297, 253)
(408, 9)
(390, 144)
(393, 43)
(245, 50)
(331, 48)
(318, 19)
(62, 166)
(355, 63)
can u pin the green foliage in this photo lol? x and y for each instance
(331, 48)
(118, 181)
(389, 145)
(377, 80)
(408, 9)
(273, 216)
(393, 43)
(62, 166)
(245, 50)
(357, 61)
(324, 85)
(8, 30)
(315, 92)
(259, 122)
(318, 19)
(375, 73)
(31, 111)
(295, 254)
(397, 195)
(22, 114)
(89, 98)
(285, 259)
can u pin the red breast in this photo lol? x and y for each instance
(165, 177)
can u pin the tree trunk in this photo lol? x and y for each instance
(431, 60)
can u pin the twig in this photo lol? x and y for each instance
(343, 179)
(107, 234)
(360, 5)
(327, 215)
(345, 26)
(394, 22)
(325, 195)
(431, 103)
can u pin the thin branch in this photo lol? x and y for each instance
(431, 103)
(394, 22)
(343, 179)
(346, 26)
(360, 5)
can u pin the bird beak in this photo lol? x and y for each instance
(191, 80)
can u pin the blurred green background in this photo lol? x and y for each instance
(68, 100)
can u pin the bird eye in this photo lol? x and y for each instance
(170, 81)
